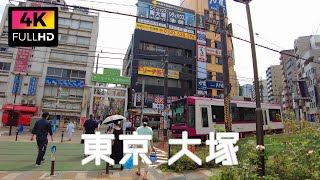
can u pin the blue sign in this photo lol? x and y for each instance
(53, 149)
(202, 84)
(214, 84)
(17, 85)
(33, 86)
(214, 5)
(64, 83)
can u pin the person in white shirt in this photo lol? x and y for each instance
(70, 130)
(128, 127)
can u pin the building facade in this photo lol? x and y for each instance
(289, 76)
(308, 47)
(50, 79)
(263, 87)
(247, 90)
(150, 47)
(207, 22)
(274, 84)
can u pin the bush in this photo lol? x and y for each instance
(185, 163)
(297, 158)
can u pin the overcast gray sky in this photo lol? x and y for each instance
(277, 21)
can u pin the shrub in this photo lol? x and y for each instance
(185, 163)
(298, 158)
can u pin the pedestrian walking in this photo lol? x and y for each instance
(117, 144)
(89, 127)
(145, 130)
(70, 130)
(41, 130)
(128, 127)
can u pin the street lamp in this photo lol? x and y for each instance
(259, 119)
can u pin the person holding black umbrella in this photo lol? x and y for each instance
(117, 144)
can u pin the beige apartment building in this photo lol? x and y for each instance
(274, 83)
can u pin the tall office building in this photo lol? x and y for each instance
(209, 60)
(49, 79)
(274, 84)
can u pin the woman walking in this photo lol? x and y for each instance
(117, 145)
(145, 130)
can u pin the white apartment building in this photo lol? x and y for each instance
(32, 78)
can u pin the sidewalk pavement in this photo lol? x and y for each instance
(154, 174)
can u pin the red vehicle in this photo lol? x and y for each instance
(21, 114)
(199, 116)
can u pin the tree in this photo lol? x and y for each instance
(240, 90)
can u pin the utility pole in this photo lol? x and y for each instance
(142, 98)
(259, 116)
(96, 91)
(165, 90)
(226, 80)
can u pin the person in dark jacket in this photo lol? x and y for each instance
(41, 130)
(90, 125)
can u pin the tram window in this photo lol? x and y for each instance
(249, 114)
(235, 114)
(274, 115)
(191, 116)
(204, 114)
(217, 113)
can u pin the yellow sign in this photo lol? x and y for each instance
(150, 71)
(161, 30)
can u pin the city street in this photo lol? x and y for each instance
(17, 161)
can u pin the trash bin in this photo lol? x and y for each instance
(33, 122)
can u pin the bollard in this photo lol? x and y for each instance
(53, 159)
(17, 134)
(107, 168)
(62, 136)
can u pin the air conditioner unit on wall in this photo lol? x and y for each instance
(24, 102)
(31, 102)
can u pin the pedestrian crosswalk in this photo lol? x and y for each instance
(162, 158)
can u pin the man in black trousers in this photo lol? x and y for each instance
(41, 130)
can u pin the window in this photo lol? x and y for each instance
(83, 40)
(235, 114)
(217, 113)
(209, 75)
(191, 116)
(218, 60)
(204, 115)
(208, 42)
(219, 76)
(247, 114)
(5, 66)
(188, 53)
(66, 73)
(75, 24)
(5, 29)
(209, 59)
(274, 115)
(86, 25)
(64, 22)
(218, 45)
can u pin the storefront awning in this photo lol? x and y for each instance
(11, 107)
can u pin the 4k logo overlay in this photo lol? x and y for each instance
(33, 26)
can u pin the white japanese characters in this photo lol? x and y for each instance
(98, 146)
(222, 149)
(226, 151)
(184, 142)
(137, 140)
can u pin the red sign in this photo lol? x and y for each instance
(22, 60)
(82, 120)
(9, 107)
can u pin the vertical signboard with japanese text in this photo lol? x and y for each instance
(22, 59)
(166, 19)
(33, 86)
(17, 85)
(214, 5)
(201, 61)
